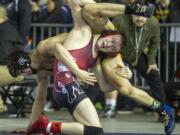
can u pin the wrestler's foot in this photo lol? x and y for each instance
(39, 126)
(109, 112)
(168, 117)
(43, 126)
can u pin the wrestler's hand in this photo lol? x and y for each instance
(18, 130)
(124, 72)
(86, 77)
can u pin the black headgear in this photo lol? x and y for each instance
(18, 60)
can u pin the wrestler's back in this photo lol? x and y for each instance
(39, 61)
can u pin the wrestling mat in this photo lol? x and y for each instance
(6, 133)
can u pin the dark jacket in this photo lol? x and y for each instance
(9, 40)
(150, 38)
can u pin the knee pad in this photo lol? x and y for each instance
(91, 130)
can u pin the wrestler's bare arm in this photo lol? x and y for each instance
(118, 68)
(54, 47)
(96, 15)
(41, 92)
(104, 9)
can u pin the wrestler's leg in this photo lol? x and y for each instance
(80, 113)
(111, 98)
(124, 87)
(103, 84)
(72, 96)
(83, 112)
(86, 118)
(121, 84)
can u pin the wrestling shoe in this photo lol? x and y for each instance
(168, 118)
(109, 112)
(39, 126)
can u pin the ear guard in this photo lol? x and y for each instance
(18, 61)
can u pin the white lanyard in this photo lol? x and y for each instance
(138, 40)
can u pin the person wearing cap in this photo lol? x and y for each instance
(142, 40)
(142, 36)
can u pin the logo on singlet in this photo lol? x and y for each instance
(59, 87)
(68, 75)
(62, 67)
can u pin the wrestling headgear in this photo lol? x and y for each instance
(106, 33)
(18, 61)
(118, 45)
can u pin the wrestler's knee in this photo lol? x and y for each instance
(104, 88)
(91, 130)
(125, 90)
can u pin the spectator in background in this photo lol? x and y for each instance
(54, 11)
(19, 12)
(162, 13)
(66, 13)
(9, 41)
(162, 10)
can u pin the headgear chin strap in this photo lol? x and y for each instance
(18, 61)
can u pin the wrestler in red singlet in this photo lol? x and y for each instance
(67, 91)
